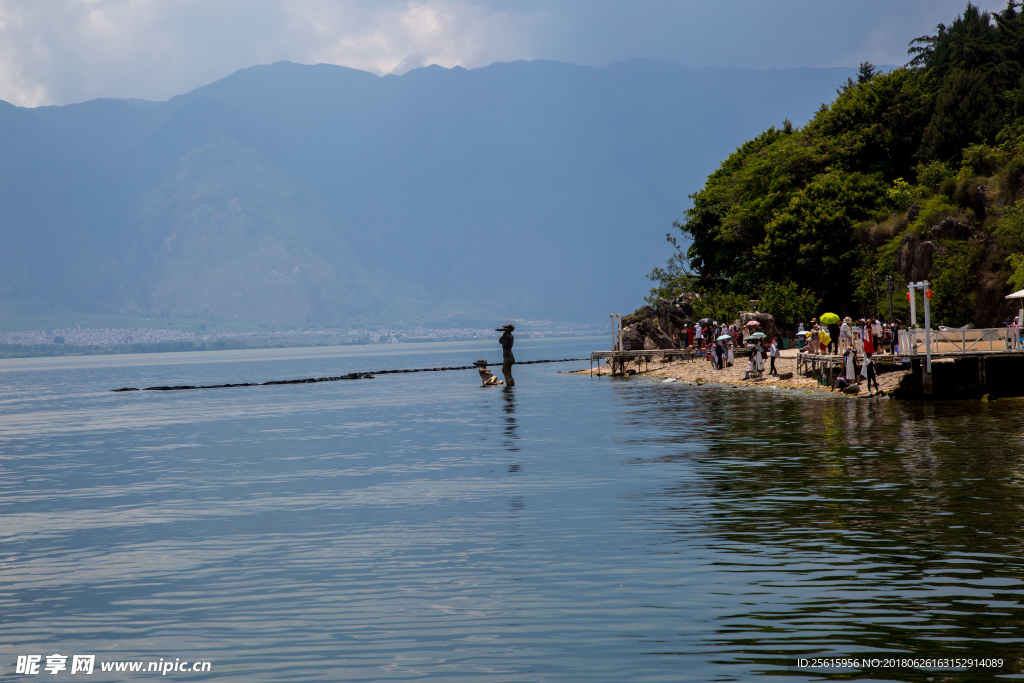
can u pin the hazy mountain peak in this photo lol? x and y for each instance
(289, 192)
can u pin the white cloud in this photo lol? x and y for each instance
(396, 38)
(71, 50)
(61, 51)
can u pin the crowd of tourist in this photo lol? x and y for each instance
(719, 344)
(858, 341)
(867, 335)
(853, 339)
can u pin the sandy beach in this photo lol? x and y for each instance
(700, 371)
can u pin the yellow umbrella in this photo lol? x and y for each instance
(829, 319)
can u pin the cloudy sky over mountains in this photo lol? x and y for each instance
(63, 51)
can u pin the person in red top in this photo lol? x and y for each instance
(869, 346)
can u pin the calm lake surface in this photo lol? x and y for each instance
(420, 527)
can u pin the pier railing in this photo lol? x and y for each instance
(985, 340)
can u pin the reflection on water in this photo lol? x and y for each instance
(509, 396)
(423, 527)
(855, 527)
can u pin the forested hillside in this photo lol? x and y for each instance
(914, 174)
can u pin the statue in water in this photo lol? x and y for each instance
(507, 359)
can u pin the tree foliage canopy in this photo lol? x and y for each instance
(822, 207)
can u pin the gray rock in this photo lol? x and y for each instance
(661, 339)
(913, 211)
(672, 315)
(766, 319)
(951, 229)
(923, 261)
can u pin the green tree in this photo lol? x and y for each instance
(1016, 262)
(785, 207)
(901, 194)
(720, 306)
(953, 284)
(788, 304)
(1010, 228)
(728, 217)
(966, 112)
(672, 280)
(812, 241)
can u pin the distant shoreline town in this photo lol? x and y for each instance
(98, 341)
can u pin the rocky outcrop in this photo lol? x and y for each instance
(684, 303)
(950, 229)
(767, 321)
(672, 315)
(654, 326)
(914, 258)
(916, 254)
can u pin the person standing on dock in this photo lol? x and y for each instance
(869, 371)
(866, 337)
(759, 359)
(850, 364)
(833, 342)
(876, 335)
(846, 335)
(773, 352)
(507, 359)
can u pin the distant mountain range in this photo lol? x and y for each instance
(328, 196)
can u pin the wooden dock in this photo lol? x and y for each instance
(643, 358)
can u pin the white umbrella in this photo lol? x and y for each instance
(1016, 295)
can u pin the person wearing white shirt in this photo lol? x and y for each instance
(876, 334)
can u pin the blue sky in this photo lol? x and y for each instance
(62, 51)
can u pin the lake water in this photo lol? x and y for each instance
(420, 527)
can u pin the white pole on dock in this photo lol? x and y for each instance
(927, 326)
(912, 296)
